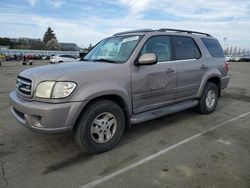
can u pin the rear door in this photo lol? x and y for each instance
(153, 85)
(190, 67)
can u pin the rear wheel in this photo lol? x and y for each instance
(100, 127)
(208, 101)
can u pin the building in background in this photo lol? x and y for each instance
(68, 46)
(25, 40)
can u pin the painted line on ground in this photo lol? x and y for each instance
(153, 156)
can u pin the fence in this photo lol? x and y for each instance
(10, 52)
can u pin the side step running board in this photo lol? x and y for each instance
(149, 115)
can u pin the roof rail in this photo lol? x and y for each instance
(134, 31)
(186, 31)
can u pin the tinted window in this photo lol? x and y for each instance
(213, 47)
(160, 46)
(185, 48)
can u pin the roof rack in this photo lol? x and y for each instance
(163, 30)
(186, 31)
(134, 31)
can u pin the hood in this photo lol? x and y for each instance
(65, 71)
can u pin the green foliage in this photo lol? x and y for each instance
(6, 41)
(48, 35)
(53, 44)
(90, 47)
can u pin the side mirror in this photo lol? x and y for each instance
(147, 59)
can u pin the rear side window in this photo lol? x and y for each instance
(213, 47)
(185, 48)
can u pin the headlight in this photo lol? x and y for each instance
(44, 89)
(63, 89)
(55, 90)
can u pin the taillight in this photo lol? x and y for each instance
(226, 65)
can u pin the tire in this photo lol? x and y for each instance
(60, 61)
(88, 134)
(206, 103)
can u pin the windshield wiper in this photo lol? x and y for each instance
(105, 60)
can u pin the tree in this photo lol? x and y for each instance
(53, 44)
(90, 47)
(6, 41)
(48, 35)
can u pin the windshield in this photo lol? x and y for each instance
(113, 50)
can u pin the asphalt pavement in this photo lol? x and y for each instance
(185, 149)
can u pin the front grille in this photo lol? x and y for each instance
(24, 86)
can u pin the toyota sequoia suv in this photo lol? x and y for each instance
(128, 78)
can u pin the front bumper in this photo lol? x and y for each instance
(45, 117)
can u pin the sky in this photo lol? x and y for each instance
(84, 21)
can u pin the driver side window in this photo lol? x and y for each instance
(160, 46)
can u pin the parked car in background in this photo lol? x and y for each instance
(128, 78)
(228, 58)
(62, 58)
(245, 58)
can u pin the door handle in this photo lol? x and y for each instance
(169, 70)
(203, 67)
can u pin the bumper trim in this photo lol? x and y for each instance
(26, 123)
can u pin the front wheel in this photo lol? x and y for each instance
(100, 127)
(209, 99)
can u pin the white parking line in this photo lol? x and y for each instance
(151, 157)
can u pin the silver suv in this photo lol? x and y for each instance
(128, 78)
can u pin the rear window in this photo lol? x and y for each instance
(185, 48)
(213, 47)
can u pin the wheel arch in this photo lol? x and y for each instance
(216, 79)
(112, 97)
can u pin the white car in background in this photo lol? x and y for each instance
(228, 58)
(62, 58)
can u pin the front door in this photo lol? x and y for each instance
(153, 86)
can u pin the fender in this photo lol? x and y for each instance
(96, 90)
(209, 74)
